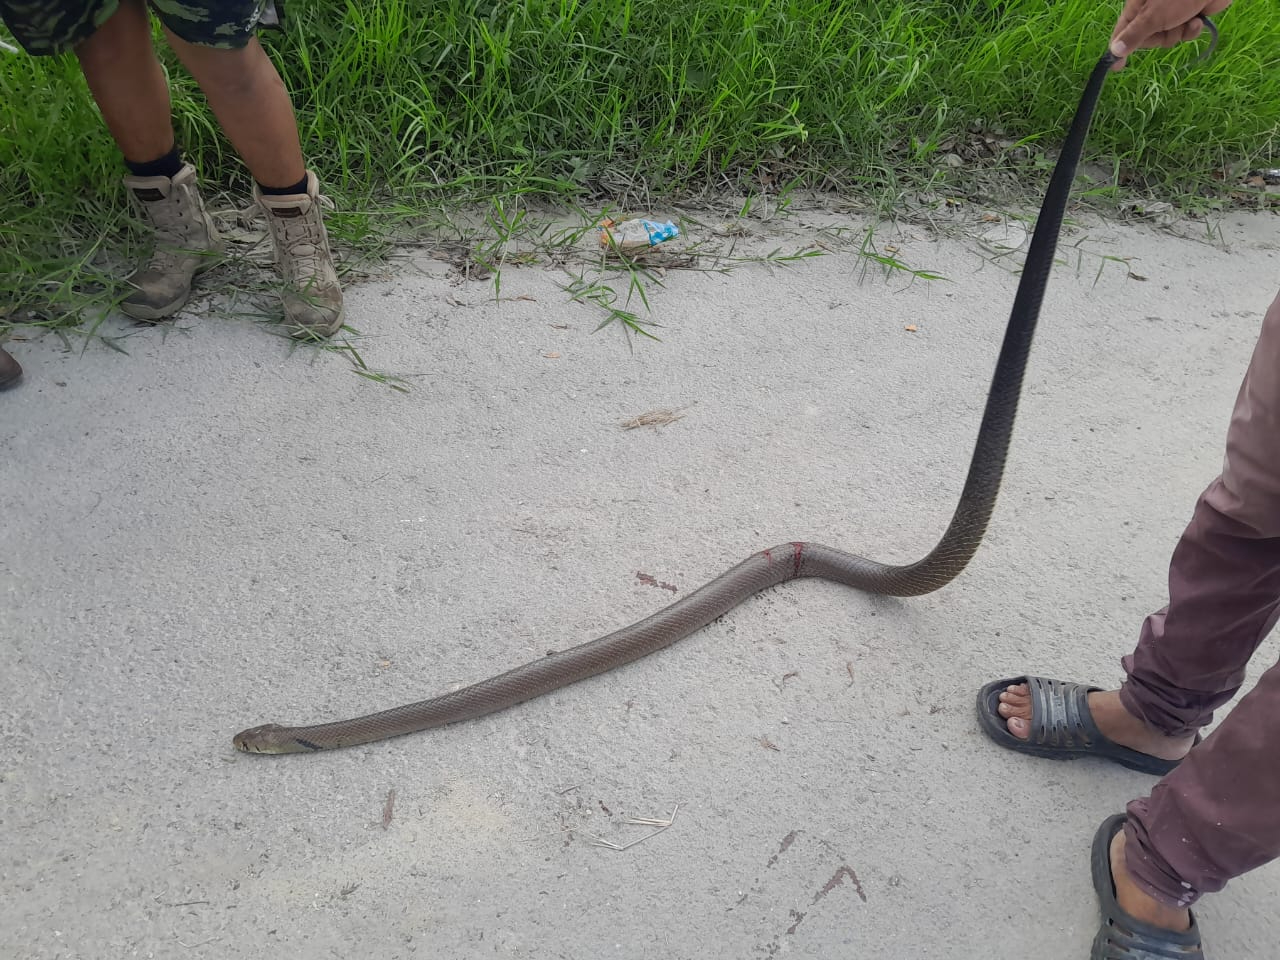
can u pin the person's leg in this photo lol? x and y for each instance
(129, 86)
(1209, 821)
(1215, 816)
(128, 83)
(1224, 578)
(246, 94)
(1224, 586)
(1224, 598)
(240, 82)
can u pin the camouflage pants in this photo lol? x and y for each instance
(51, 27)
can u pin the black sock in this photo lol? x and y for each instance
(299, 187)
(166, 166)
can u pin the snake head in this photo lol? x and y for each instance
(268, 738)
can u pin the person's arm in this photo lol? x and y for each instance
(1160, 23)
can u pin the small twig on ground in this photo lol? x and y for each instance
(637, 821)
(785, 677)
(388, 807)
(192, 946)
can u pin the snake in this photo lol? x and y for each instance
(775, 565)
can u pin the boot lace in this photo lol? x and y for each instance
(302, 244)
(174, 227)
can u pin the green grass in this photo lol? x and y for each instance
(407, 107)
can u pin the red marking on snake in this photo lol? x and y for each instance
(799, 550)
(768, 555)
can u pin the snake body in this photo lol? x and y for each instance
(778, 564)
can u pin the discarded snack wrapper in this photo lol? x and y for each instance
(632, 235)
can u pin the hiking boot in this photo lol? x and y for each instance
(10, 369)
(186, 243)
(312, 296)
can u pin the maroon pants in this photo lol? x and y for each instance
(1217, 815)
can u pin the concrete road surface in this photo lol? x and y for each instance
(214, 530)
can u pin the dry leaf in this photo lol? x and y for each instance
(654, 418)
(911, 328)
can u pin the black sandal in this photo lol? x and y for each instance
(1062, 728)
(1122, 937)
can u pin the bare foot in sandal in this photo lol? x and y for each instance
(1115, 722)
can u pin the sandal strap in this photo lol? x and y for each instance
(1060, 714)
(1123, 943)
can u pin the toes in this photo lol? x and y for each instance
(1015, 708)
(1011, 711)
(1015, 699)
(1020, 727)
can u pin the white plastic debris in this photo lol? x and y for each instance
(630, 236)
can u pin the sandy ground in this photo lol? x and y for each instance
(214, 531)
